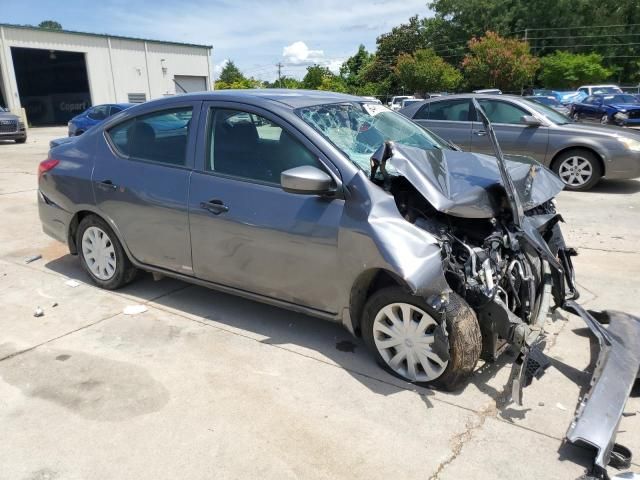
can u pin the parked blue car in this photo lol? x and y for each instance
(93, 116)
(618, 109)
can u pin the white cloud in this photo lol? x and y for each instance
(298, 33)
(298, 53)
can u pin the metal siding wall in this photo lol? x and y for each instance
(127, 58)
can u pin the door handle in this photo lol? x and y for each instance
(107, 185)
(480, 133)
(214, 206)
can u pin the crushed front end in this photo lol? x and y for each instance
(504, 253)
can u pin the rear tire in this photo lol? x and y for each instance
(604, 120)
(579, 169)
(101, 254)
(463, 342)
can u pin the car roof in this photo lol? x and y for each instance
(292, 98)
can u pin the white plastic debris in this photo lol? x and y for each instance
(72, 283)
(32, 258)
(560, 406)
(38, 312)
(134, 309)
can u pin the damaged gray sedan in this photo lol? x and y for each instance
(339, 208)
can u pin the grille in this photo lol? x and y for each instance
(8, 126)
(634, 114)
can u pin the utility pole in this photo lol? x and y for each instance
(279, 65)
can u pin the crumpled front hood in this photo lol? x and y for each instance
(469, 185)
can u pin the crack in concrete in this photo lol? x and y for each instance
(19, 191)
(461, 439)
(607, 250)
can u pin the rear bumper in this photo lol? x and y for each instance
(598, 414)
(55, 221)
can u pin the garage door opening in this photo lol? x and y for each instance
(189, 83)
(53, 85)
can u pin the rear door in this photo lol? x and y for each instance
(514, 137)
(246, 231)
(141, 183)
(450, 119)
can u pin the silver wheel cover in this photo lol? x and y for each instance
(404, 335)
(604, 120)
(98, 253)
(575, 171)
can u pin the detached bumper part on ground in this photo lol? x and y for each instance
(616, 371)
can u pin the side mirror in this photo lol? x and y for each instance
(306, 180)
(530, 121)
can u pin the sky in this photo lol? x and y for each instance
(254, 34)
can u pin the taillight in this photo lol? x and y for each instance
(47, 165)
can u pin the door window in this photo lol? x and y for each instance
(114, 110)
(452, 110)
(99, 113)
(159, 136)
(249, 146)
(502, 112)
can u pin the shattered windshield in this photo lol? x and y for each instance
(359, 129)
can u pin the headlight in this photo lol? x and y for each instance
(621, 116)
(631, 144)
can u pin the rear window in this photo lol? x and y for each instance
(158, 137)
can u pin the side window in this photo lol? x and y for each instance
(502, 112)
(584, 90)
(159, 136)
(99, 113)
(452, 110)
(249, 146)
(114, 110)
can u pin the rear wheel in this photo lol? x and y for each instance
(604, 120)
(576, 117)
(578, 169)
(102, 255)
(407, 339)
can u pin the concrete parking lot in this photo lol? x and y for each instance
(204, 385)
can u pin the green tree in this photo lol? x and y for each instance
(497, 62)
(245, 83)
(570, 70)
(284, 82)
(230, 73)
(50, 25)
(351, 69)
(314, 76)
(424, 71)
(405, 38)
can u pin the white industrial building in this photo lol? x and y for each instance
(55, 75)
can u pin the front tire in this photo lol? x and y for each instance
(21, 140)
(101, 254)
(579, 169)
(406, 338)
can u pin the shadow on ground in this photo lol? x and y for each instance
(325, 341)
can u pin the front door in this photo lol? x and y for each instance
(248, 233)
(141, 184)
(514, 137)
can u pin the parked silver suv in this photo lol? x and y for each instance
(580, 154)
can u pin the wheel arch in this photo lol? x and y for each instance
(75, 222)
(367, 283)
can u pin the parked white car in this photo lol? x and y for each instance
(599, 89)
(396, 102)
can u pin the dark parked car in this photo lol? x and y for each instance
(580, 154)
(551, 102)
(337, 207)
(11, 127)
(619, 109)
(94, 116)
